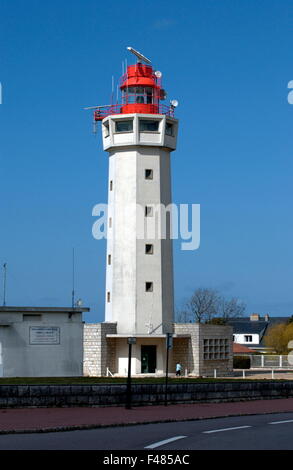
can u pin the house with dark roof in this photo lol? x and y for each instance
(251, 331)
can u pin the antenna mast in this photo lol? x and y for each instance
(4, 283)
(112, 96)
(73, 278)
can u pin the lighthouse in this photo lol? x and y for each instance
(139, 134)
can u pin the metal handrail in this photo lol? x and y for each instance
(102, 112)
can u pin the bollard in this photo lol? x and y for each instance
(215, 373)
(243, 373)
(273, 375)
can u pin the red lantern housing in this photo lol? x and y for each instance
(141, 90)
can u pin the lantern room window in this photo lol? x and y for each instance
(138, 94)
(149, 95)
(124, 126)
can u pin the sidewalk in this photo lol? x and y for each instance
(62, 419)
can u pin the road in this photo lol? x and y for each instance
(261, 432)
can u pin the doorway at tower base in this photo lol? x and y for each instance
(148, 355)
(201, 349)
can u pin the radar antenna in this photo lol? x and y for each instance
(140, 57)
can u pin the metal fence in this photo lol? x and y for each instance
(268, 361)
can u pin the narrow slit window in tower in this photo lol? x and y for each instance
(149, 174)
(149, 249)
(149, 287)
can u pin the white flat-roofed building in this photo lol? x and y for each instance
(41, 342)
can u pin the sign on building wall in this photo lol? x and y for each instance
(44, 335)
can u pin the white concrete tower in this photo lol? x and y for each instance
(139, 135)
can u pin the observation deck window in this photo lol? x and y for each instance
(124, 126)
(148, 125)
(106, 129)
(169, 129)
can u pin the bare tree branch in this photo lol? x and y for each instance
(207, 305)
(203, 304)
(231, 308)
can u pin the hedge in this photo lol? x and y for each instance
(241, 362)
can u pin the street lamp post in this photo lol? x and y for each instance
(130, 342)
(169, 345)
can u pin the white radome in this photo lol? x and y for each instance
(174, 103)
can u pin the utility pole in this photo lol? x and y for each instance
(73, 279)
(4, 283)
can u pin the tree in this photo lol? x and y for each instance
(203, 305)
(208, 306)
(231, 308)
(278, 337)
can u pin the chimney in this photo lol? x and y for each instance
(254, 317)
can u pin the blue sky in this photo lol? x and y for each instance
(228, 63)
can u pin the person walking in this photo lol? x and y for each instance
(178, 369)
